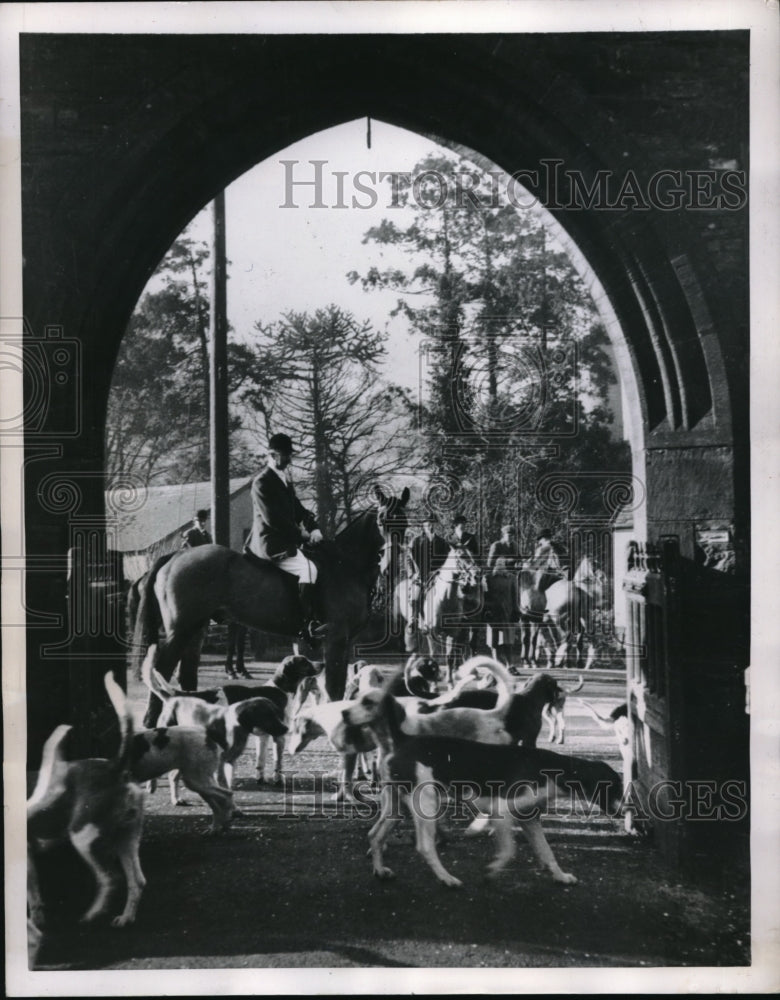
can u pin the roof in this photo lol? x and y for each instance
(161, 510)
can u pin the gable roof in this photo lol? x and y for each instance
(164, 510)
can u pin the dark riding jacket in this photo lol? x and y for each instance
(426, 555)
(501, 550)
(276, 515)
(467, 541)
(194, 537)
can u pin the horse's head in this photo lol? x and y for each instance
(392, 521)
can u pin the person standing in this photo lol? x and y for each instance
(503, 549)
(281, 524)
(197, 534)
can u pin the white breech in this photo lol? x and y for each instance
(299, 566)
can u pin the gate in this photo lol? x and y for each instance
(687, 715)
(654, 695)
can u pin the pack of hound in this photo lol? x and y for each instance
(416, 737)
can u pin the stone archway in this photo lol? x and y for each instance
(124, 138)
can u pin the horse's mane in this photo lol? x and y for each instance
(354, 544)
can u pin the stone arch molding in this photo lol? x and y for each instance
(152, 158)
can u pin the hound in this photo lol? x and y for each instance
(511, 783)
(423, 718)
(523, 716)
(352, 742)
(281, 690)
(477, 678)
(362, 677)
(94, 805)
(192, 753)
(230, 725)
(552, 713)
(619, 723)
(420, 679)
(310, 688)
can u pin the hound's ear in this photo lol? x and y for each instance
(405, 496)
(217, 730)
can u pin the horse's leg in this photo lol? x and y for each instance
(449, 646)
(241, 634)
(335, 667)
(232, 631)
(190, 660)
(533, 643)
(410, 637)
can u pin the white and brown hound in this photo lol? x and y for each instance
(353, 742)
(281, 690)
(445, 715)
(523, 716)
(229, 725)
(94, 805)
(511, 783)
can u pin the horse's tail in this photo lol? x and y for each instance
(504, 683)
(148, 619)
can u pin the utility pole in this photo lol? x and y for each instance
(218, 381)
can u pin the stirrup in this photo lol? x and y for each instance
(314, 630)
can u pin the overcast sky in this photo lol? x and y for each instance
(298, 258)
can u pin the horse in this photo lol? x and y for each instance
(570, 605)
(532, 586)
(393, 522)
(453, 592)
(215, 582)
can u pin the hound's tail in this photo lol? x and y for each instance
(119, 700)
(605, 721)
(52, 768)
(153, 679)
(504, 683)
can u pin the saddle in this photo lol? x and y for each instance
(255, 560)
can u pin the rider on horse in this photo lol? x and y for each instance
(426, 554)
(276, 535)
(463, 539)
(546, 562)
(197, 533)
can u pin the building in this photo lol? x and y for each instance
(164, 513)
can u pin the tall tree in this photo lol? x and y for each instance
(517, 362)
(157, 421)
(318, 377)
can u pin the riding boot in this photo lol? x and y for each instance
(313, 629)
